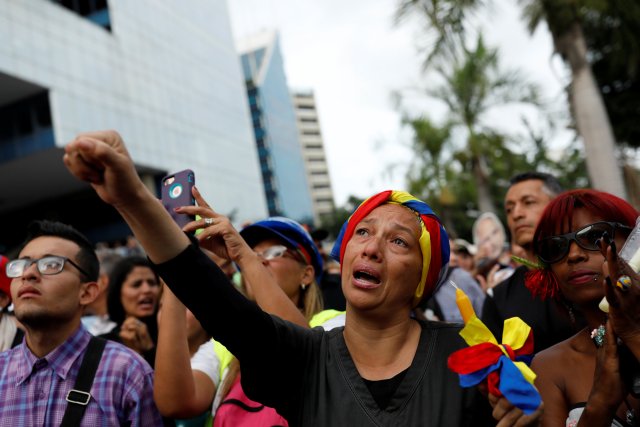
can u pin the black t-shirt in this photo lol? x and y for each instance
(383, 390)
(308, 375)
(511, 298)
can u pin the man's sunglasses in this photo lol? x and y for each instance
(553, 249)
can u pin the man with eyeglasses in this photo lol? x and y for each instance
(528, 195)
(53, 279)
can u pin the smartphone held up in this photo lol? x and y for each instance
(176, 192)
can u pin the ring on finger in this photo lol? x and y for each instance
(597, 335)
(208, 221)
(624, 282)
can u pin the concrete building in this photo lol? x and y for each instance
(275, 128)
(315, 159)
(165, 74)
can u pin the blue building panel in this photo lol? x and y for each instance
(275, 127)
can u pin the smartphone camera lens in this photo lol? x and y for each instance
(175, 191)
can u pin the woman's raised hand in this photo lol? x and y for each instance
(101, 159)
(608, 390)
(624, 300)
(218, 235)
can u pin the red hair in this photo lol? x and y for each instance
(557, 218)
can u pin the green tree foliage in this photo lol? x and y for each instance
(449, 20)
(574, 26)
(444, 25)
(440, 173)
(612, 31)
(470, 86)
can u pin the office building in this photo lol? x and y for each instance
(274, 124)
(165, 74)
(315, 159)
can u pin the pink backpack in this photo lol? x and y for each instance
(237, 410)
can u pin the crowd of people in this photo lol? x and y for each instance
(213, 326)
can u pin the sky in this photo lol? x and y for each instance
(353, 57)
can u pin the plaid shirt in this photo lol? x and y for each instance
(33, 391)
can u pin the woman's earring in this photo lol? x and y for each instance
(304, 286)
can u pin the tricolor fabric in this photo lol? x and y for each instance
(434, 241)
(505, 366)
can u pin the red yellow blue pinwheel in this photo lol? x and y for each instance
(504, 366)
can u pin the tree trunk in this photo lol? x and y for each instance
(590, 115)
(479, 170)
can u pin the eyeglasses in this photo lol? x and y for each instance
(555, 248)
(47, 266)
(279, 251)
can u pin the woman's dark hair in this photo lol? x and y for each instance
(117, 277)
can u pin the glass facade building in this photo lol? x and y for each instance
(275, 128)
(164, 74)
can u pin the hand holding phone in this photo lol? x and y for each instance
(176, 192)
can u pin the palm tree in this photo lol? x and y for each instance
(472, 86)
(448, 19)
(427, 172)
(587, 105)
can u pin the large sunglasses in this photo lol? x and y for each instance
(553, 249)
(47, 266)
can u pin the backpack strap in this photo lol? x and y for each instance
(17, 339)
(79, 396)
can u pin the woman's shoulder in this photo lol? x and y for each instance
(560, 362)
(573, 347)
(444, 335)
(556, 353)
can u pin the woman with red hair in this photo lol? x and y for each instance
(582, 380)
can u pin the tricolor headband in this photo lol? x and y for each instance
(434, 241)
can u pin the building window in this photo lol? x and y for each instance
(308, 119)
(311, 132)
(96, 11)
(25, 127)
(324, 200)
